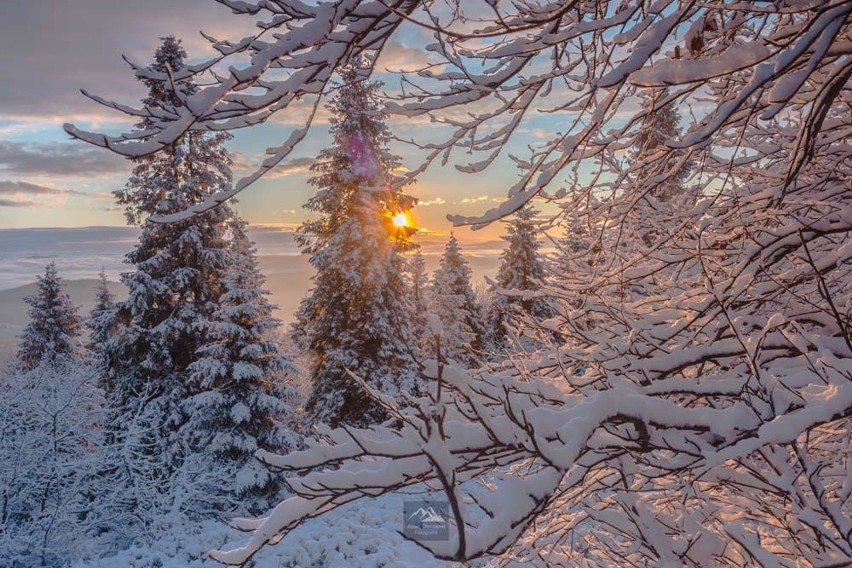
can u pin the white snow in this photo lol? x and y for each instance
(363, 534)
(676, 72)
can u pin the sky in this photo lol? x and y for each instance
(53, 48)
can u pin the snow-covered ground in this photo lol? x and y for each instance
(361, 534)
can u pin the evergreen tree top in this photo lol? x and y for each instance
(660, 126)
(164, 90)
(49, 298)
(521, 267)
(454, 303)
(104, 299)
(185, 172)
(453, 266)
(169, 55)
(356, 173)
(417, 265)
(54, 326)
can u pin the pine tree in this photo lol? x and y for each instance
(99, 321)
(357, 315)
(175, 286)
(454, 304)
(651, 215)
(240, 377)
(54, 327)
(579, 254)
(418, 281)
(521, 270)
(659, 126)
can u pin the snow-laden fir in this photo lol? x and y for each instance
(354, 323)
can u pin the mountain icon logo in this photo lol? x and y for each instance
(425, 520)
(426, 515)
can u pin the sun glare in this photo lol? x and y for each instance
(400, 220)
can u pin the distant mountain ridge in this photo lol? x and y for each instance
(288, 278)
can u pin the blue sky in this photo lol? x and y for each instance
(53, 48)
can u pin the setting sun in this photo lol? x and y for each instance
(401, 220)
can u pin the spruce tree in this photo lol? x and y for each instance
(99, 321)
(418, 281)
(652, 215)
(356, 318)
(240, 380)
(54, 328)
(196, 379)
(649, 148)
(521, 270)
(578, 255)
(175, 286)
(454, 303)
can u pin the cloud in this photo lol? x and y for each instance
(244, 166)
(540, 133)
(60, 159)
(475, 199)
(54, 48)
(8, 187)
(297, 112)
(292, 166)
(397, 56)
(436, 201)
(15, 194)
(14, 203)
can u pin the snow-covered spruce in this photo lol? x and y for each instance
(98, 323)
(54, 327)
(661, 126)
(356, 319)
(240, 381)
(521, 275)
(173, 290)
(658, 195)
(193, 374)
(420, 286)
(454, 303)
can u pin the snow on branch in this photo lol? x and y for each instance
(500, 61)
(321, 39)
(488, 424)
